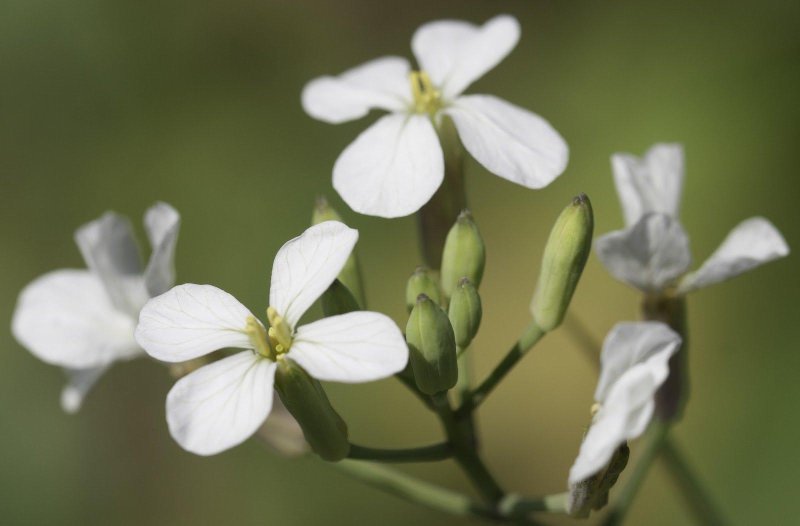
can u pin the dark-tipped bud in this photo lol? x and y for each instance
(464, 254)
(421, 281)
(564, 257)
(350, 275)
(432, 347)
(465, 312)
(304, 397)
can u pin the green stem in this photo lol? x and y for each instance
(463, 387)
(415, 490)
(656, 436)
(464, 451)
(693, 492)
(532, 335)
(409, 382)
(418, 454)
(514, 505)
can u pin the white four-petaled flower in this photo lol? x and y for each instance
(222, 404)
(83, 320)
(396, 165)
(652, 252)
(634, 364)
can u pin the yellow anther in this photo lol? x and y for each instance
(427, 99)
(595, 408)
(258, 337)
(279, 332)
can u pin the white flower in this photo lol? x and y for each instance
(634, 364)
(652, 252)
(83, 320)
(396, 165)
(222, 404)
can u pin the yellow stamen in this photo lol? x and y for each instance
(427, 99)
(258, 337)
(595, 408)
(279, 332)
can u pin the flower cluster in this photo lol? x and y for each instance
(232, 364)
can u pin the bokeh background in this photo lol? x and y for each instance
(116, 104)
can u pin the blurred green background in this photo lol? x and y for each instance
(116, 104)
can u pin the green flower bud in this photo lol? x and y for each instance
(304, 397)
(350, 275)
(464, 254)
(465, 312)
(432, 347)
(421, 281)
(338, 300)
(564, 257)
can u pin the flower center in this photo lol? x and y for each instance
(273, 342)
(427, 99)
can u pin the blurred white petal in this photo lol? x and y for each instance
(752, 243)
(221, 404)
(392, 168)
(381, 83)
(456, 53)
(649, 256)
(509, 141)
(353, 347)
(80, 381)
(110, 251)
(631, 343)
(162, 223)
(190, 321)
(635, 362)
(66, 318)
(652, 183)
(306, 266)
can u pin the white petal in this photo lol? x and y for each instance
(282, 432)
(65, 318)
(354, 347)
(110, 250)
(221, 404)
(381, 83)
(752, 243)
(190, 321)
(649, 256)
(626, 415)
(162, 223)
(392, 168)
(456, 53)
(306, 266)
(78, 386)
(629, 344)
(650, 184)
(634, 364)
(509, 141)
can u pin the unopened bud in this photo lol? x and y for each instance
(350, 275)
(465, 312)
(464, 254)
(338, 299)
(421, 282)
(564, 257)
(432, 347)
(304, 397)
